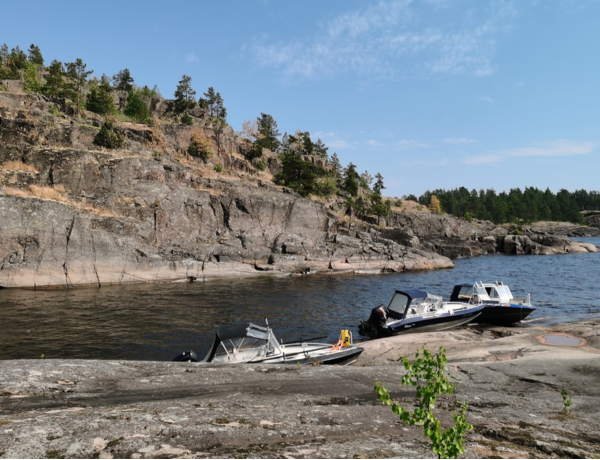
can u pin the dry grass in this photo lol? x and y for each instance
(19, 166)
(99, 211)
(57, 193)
(48, 193)
(10, 191)
(124, 201)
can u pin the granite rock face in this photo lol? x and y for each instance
(72, 213)
(148, 213)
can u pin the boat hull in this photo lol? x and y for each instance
(504, 315)
(341, 357)
(434, 324)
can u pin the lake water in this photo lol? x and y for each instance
(158, 321)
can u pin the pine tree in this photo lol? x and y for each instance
(18, 58)
(320, 149)
(378, 187)
(184, 95)
(35, 55)
(123, 81)
(209, 101)
(267, 128)
(4, 53)
(99, 98)
(136, 108)
(31, 80)
(77, 79)
(351, 180)
(366, 180)
(54, 80)
(337, 166)
(108, 137)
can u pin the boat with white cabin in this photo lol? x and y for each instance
(417, 311)
(500, 307)
(250, 343)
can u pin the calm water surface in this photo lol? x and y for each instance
(158, 321)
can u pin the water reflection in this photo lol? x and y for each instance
(157, 321)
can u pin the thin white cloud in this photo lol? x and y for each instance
(555, 148)
(374, 143)
(378, 39)
(484, 159)
(459, 140)
(338, 144)
(410, 144)
(486, 99)
(191, 58)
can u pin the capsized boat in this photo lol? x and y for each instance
(500, 307)
(417, 311)
(250, 343)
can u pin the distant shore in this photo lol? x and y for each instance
(133, 409)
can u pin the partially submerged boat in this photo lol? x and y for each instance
(250, 343)
(417, 311)
(500, 307)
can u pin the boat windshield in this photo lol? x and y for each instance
(465, 292)
(504, 292)
(398, 303)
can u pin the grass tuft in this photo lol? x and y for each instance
(19, 166)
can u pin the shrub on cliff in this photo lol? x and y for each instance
(99, 97)
(186, 119)
(108, 137)
(31, 80)
(299, 175)
(199, 147)
(136, 108)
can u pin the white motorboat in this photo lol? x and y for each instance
(249, 343)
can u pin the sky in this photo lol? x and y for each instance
(430, 93)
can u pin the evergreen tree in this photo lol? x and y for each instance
(35, 55)
(209, 101)
(186, 119)
(379, 207)
(136, 108)
(366, 180)
(184, 95)
(285, 145)
(54, 80)
(4, 53)
(220, 110)
(351, 180)
(108, 137)
(337, 166)
(378, 187)
(298, 174)
(123, 81)
(77, 75)
(268, 133)
(320, 149)
(18, 58)
(31, 81)
(99, 98)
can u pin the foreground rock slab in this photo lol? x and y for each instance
(126, 409)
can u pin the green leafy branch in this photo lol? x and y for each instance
(428, 374)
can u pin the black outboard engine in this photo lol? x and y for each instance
(375, 326)
(188, 356)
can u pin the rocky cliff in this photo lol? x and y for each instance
(72, 213)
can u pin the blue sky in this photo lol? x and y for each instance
(430, 93)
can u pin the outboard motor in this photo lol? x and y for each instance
(188, 356)
(375, 326)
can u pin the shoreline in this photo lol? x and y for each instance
(245, 274)
(136, 409)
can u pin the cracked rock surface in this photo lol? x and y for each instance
(134, 409)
